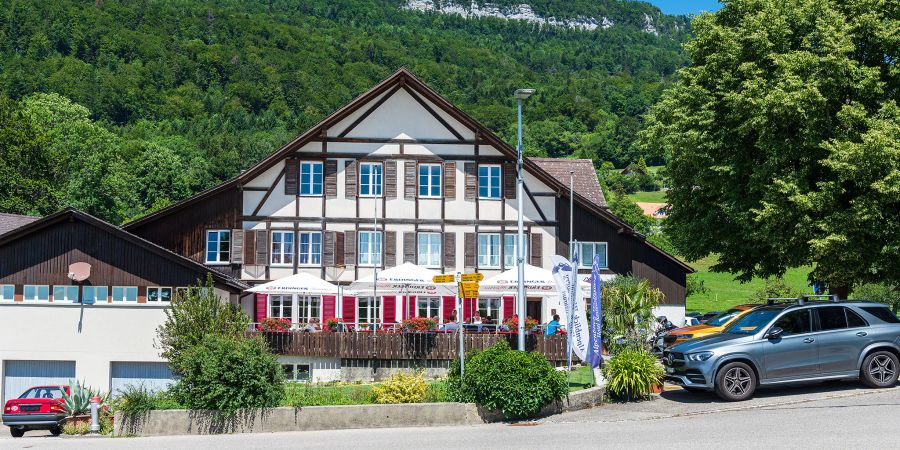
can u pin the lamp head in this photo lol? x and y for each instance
(522, 94)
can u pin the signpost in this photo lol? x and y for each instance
(467, 287)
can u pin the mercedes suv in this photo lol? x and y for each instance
(790, 342)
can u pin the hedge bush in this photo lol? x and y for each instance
(402, 388)
(517, 384)
(631, 374)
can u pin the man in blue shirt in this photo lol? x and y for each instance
(553, 326)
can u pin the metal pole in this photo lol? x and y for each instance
(375, 277)
(520, 244)
(459, 321)
(571, 305)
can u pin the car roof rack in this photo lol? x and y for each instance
(803, 299)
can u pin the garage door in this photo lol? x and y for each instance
(153, 376)
(21, 375)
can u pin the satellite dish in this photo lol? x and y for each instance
(79, 271)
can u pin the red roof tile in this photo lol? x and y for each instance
(585, 183)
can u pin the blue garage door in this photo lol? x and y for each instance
(153, 376)
(18, 376)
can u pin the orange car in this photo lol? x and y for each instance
(712, 326)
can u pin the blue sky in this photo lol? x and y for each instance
(686, 6)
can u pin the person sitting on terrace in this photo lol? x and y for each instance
(451, 324)
(553, 326)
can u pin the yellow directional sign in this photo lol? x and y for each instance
(469, 289)
(476, 277)
(444, 278)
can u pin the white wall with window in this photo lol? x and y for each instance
(368, 311)
(369, 248)
(489, 250)
(310, 178)
(218, 246)
(587, 251)
(7, 292)
(124, 294)
(430, 180)
(280, 306)
(429, 307)
(300, 369)
(429, 249)
(310, 248)
(309, 309)
(159, 294)
(282, 248)
(65, 294)
(490, 307)
(510, 241)
(36, 293)
(489, 181)
(370, 179)
(95, 294)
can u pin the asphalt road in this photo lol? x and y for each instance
(834, 415)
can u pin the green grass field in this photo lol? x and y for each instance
(651, 197)
(581, 378)
(723, 291)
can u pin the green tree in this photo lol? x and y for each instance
(878, 292)
(783, 141)
(24, 168)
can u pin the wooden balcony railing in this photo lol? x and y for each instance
(409, 346)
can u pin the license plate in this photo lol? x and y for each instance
(30, 408)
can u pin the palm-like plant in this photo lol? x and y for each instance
(78, 401)
(628, 304)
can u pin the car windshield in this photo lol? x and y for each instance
(752, 322)
(43, 392)
(723, 318)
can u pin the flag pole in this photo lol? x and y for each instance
(571, 305)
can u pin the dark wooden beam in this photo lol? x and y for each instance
(533, 201)
(391, 221)
(375, 140)
(269, 192)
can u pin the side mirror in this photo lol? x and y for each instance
(774, 333)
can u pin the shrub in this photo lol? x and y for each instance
(419, 324)
(307, 394)
(275, 324)
(136, 400)
(628, 304)
(517, 384)
(228, 373)
(78, 401)
(774, 288)
(332, 324)
(402, 388)
(695, 285)
(631, 374)
(76, 428)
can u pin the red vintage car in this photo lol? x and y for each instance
(39, 408)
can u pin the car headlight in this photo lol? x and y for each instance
(699, 356)
(685, 336)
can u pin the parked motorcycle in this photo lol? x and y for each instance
(657, 346)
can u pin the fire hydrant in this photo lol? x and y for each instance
(95, 414)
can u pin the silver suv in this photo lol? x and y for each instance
(791, 342)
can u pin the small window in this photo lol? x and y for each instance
(370, 248)
(36, 292)
(587, 251)
(882, 313)
(368, 310)
(159, 294)
(311, 248)
(288, 371)
(854, 320)
(489, 182)
(489, 307)
(370, 179)
(7, 292)
(509, 250)
(832, 318)
(310, 178)
(218, 246)
(280, 306)
(429, 249)
(282, 248)
(304, 372)
(308, 309)
(429, 180)
(65, 294)
(124, 293)
(95, 294)
(795, 322)
(489, 250)
(428, 307)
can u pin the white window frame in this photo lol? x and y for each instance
(314, 259)
(66, 290)
(309, 307)
(494, 306)
(315, 189)
(103, 299)
(218, 252)
(509, 251)
(432, 181)
(36, 297)
(490, 182)
(372, 310)
(125, 290)
(427, 255)
(587, 263)
(485, 260)
(375, 184)
(434, 303)
(285, 311)
(284, 251)
(373, 258)
(7, 289)
(159, 290)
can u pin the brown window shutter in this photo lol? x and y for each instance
(339, 249)
(449, 180)
(262, 247)
(409, 247)
(237, 246)
(449, 250)
(390, 248)
(509, 180)
(350, 248)
(471, 170)
(470, 250)
(410, 187)
(390, 179)
(350, 180)
(249, 247)
(291, 176)
(328, 248)
(331, 178)
(535, 248)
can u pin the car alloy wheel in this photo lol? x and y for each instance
(882, 369)
(737, 381)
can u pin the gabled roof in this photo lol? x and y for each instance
(72, 213)
(403, 78)
(585, 180)
(9, 222)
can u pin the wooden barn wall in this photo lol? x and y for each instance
(627, 254)
(184, 231)
(43, 257)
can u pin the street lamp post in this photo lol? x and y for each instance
(521, 94)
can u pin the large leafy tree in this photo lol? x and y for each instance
(783, 139)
